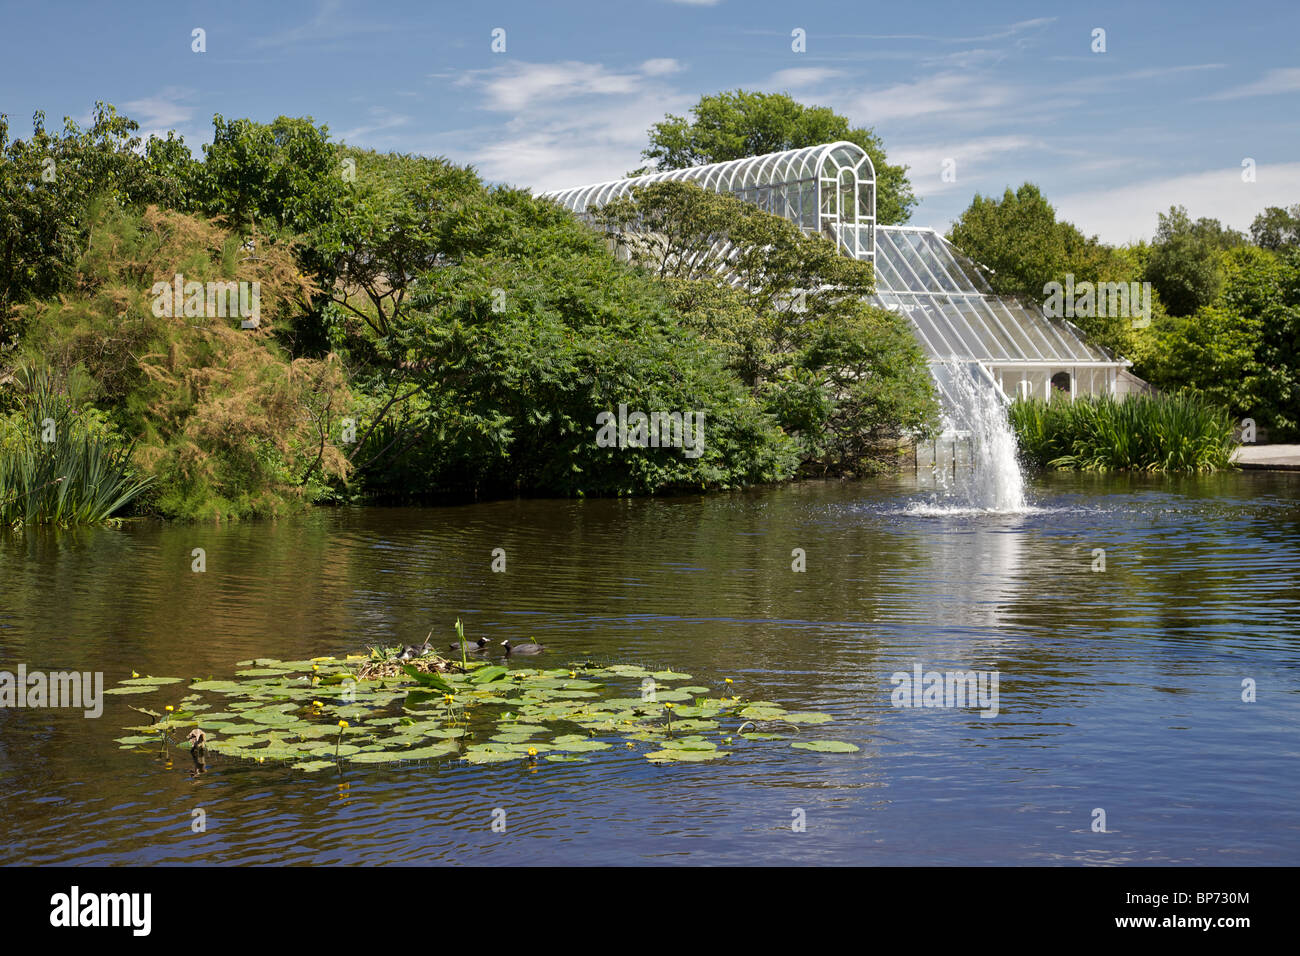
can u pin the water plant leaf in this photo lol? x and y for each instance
(427, 680)
(489, 756)
(133, 690)
(754, 712)
(313, 766)
(685, 756)
(826, 746)
(142, 681)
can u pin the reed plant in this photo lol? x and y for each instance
(59, 462)
(1151, 433)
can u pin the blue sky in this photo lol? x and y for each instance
(1012, 92)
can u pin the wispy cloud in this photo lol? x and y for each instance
(1126, 81)
(381, 119)
(162, 109)
(519, 85)
(569, 122)
(1286, 80)
(162, 112)
(1015, 29)
(972, 160)
(329, 24)
(802, 77)
(952, 94)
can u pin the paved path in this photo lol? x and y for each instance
(1270, 457)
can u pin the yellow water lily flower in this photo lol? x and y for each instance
(170, 708)
(532, 751)
(343, 725)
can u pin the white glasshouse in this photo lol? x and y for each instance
(1011, 346)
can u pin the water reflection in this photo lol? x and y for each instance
(1118, 689)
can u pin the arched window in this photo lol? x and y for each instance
(1061, 385)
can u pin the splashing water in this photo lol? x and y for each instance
(975, 412)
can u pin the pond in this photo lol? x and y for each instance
(1120, 676)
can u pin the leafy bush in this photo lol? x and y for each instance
(226, 423)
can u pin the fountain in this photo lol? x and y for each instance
(974, 412)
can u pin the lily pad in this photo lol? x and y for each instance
(133, 690)
(313, 766)
(143, 681)
(489, 756)
(685, 756)
(826, 746)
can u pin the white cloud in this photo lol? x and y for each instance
(972, 159)
(1101, 82)
(519, 86)
(1014, 29)
(1128, 213)
(162, 113)
(801, 77)
(1273, 82)
(591, 145)
(960, 95)
(381, 119)
(162, 110)
(661, 67)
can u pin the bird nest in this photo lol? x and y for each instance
(392, 667)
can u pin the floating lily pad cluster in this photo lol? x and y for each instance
(314, 714)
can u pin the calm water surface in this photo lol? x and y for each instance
(1119, 690)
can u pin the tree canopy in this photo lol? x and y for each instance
(733, 125)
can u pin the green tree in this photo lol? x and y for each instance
(1184, 265)
(1242, 350)
(513, 350)
(733, 125)
(1276, 228)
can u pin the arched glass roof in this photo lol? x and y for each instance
(829, 189)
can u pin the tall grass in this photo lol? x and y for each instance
(1152, 433)
(58, 463)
